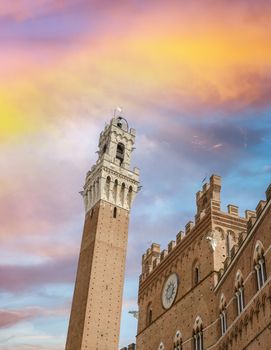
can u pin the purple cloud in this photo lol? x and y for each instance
(18, 278)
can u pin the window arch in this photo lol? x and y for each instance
(115, 191)
(259, 264)
(149, 314)
(198, 334)
(120, 152)
(122, 193)
(223, 314)
(178, 341)
(239, 292)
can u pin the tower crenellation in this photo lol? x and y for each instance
(148, 258)
(209, 196)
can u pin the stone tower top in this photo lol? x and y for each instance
(116, 142)
(111, 178)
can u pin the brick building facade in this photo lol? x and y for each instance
(211, 289)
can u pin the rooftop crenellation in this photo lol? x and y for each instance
(208, 200)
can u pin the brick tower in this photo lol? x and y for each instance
(109, 190)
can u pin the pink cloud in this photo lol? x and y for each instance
(25, 9)
(10, 317)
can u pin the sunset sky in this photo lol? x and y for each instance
(193, 78)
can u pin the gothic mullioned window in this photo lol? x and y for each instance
(259, 264)
(239, 293)
(177, 343)
(198, 334)
(223, 315)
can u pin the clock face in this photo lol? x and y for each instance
(170, 290)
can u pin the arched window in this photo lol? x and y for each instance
(177, 341)
(198, 334)
(149, 314)
(115, 191)
(122, 193)
(115, 212)
(107, 186)
(120, 152)
(161, 346)
(239, 293)
(259, 264)
(223, 315)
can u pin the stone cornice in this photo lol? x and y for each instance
(120, 174)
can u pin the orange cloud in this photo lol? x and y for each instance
(207, 56)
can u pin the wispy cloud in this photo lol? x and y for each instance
(218, 145)
(9, 318)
